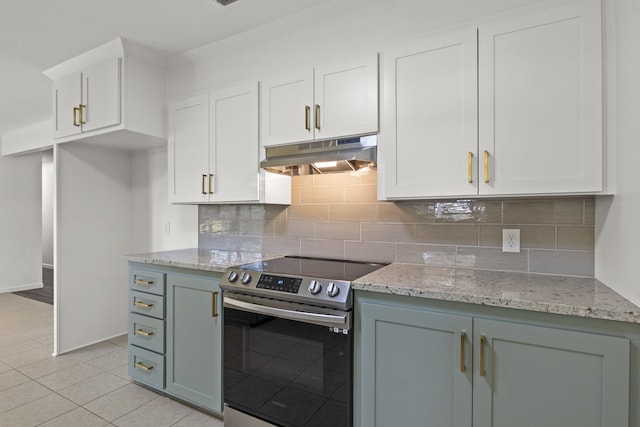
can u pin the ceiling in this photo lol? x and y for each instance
(38, 34)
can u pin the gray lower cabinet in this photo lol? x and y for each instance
(175, 333)
(429, 366)
(194, 340)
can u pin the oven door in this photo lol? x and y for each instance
(285, 365)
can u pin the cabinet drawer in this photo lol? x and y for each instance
(146, 281)
(147, 304)
(146, 332)
(146, 366)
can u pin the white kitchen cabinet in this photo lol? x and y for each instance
(328, 101)
(422, 363)
(524, 118)
(430, 129)
(214, 150)
(114, 93)
(540, 81)
(87, 100)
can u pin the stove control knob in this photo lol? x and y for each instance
(232, 276)
(246, 278)
(315, 287)
(333, 290)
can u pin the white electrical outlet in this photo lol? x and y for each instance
(511, 240)
(167, 228)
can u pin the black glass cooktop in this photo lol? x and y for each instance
(321, 268)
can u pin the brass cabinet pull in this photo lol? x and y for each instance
(463, 336)
(470, 167)
(317, 116)
(486, 166)
(483, 339)
(142, 332)
(75, 116)
(210, 183)
(214, 304)
(307, 114)
(143, 304)
(144, 367)
(204, 178)
(143, 282)
(80, 109)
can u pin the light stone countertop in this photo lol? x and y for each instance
(199, 259)
(573, 296)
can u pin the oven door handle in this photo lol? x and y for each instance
(330, 320)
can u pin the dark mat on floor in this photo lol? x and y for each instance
(44, 294)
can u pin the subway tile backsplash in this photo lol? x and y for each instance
(339, 216)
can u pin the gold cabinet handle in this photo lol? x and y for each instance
(81, 115)
(470, 167)
(486, 166)
(143, 282)
(463, 336)
(204, 178)
(75, 116)
(210, 183)
(142, 366)
(307, 114)
(214, 304)
(483, 339)
(142, 332)
(143, 304)
(317, 117)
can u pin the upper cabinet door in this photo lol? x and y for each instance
(188, 150)
(286, 108)
(101, 95)
(234, 145)
(346, 98)
(430, 138)
(67, 97)
(540, 78)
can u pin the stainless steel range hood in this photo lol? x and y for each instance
(329, 156)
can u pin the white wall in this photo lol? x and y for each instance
(618, 217)
(48, 185)
(157, 225)
(20, 223)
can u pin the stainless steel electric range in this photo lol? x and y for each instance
(288, 342)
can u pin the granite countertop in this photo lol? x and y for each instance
(199, 259)
(573, 296)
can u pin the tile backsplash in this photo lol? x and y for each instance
(339, 216)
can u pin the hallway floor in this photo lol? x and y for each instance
(87, 387)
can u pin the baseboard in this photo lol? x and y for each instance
(23, 287)
(49, 266)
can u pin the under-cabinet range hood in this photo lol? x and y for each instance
(316, 157)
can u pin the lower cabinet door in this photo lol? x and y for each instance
(414, 367)
(532, 376)
(194, 340)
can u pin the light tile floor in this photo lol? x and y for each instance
(85, 388)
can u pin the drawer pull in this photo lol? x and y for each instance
(143, 304)
(214, 304)
(75, 116)
(470, 167)
(307, 113)
(483, 340)
(317, 118)
(463, 335)
(144, 367)
(143, 282)
(486, 166)
(143, 332)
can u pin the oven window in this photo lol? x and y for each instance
(285, 372)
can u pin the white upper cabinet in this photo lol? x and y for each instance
(430, 121)
(115, 89)
(540, 79)
(214, 150)
(328, 101)
(522, 115)
(188, 150)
